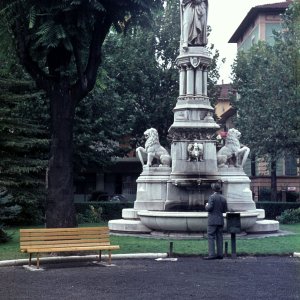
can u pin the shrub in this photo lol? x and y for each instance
(274, 209)
(292, 196)
(4, 237)
(106, 210)
(290, 216)
(264, 194)
(90, 215)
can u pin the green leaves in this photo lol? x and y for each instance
(23, 139)
(266, 79)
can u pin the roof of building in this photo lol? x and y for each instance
(226, 115)
(225, 89)
(275, 8)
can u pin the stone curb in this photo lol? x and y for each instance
(296, 254)
(17, 262)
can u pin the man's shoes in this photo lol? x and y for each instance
(213, 257)
(210, 257)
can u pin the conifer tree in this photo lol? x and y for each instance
(8, 211)
(23, 136)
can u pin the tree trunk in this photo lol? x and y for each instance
(273, 181)
(60, 208)
(253, 165)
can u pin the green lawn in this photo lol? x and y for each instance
(281, 245)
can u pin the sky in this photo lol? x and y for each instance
(224, 17)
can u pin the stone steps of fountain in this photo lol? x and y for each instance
(130, 214)
(128, 226)
(130, 223)
(264, 226)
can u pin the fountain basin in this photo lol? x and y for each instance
(187, 221)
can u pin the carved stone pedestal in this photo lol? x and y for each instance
(152, 188)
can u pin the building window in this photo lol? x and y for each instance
(263, 167)
(290, 166)
(129, 184)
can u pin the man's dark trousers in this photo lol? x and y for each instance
(216, 206)
(215, 233)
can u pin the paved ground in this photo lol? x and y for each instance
(187, 278)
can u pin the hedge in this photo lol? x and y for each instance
(109, 210)
(113, 210)
(274, 209)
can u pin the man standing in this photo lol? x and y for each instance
(216, 206)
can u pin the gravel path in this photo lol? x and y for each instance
(187, 278)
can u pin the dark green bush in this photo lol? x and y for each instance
(274, 209)
(290, 216)
(107, 210)
(4, 237)
(292, 196)
(264, 195)
(91, 214)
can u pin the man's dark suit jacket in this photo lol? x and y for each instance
(216, 206)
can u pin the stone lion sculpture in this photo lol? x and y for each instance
(153, 149)
(232, 153)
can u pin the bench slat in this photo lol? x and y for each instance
(62, 237)
(63, 245)
(45, 232)
(75, 229)
(75, 248)
(28, 243)
(91, 232)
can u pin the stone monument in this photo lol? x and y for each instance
(171, 195)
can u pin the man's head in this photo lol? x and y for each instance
(216, 187)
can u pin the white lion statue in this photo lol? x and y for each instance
(153, 149)
(232, 153)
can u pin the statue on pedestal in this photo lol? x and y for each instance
(193, 22)
(153, 149)
(232, 153)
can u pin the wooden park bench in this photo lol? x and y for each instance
(49, 240)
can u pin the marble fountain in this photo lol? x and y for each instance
(173, 188)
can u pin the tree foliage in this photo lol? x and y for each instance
(59, 44)
(140, 69)
(266, 101)
(23, 145)
(99, 126)
(64, 37)
(8, 211)
(267, 80)
(23, 136)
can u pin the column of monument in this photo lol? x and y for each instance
(193, 148)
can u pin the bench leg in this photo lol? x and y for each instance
(100, 253)
(37, 260)
(109, 257)
(30, 255)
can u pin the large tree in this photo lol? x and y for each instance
(267, 81)
(59, 44)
